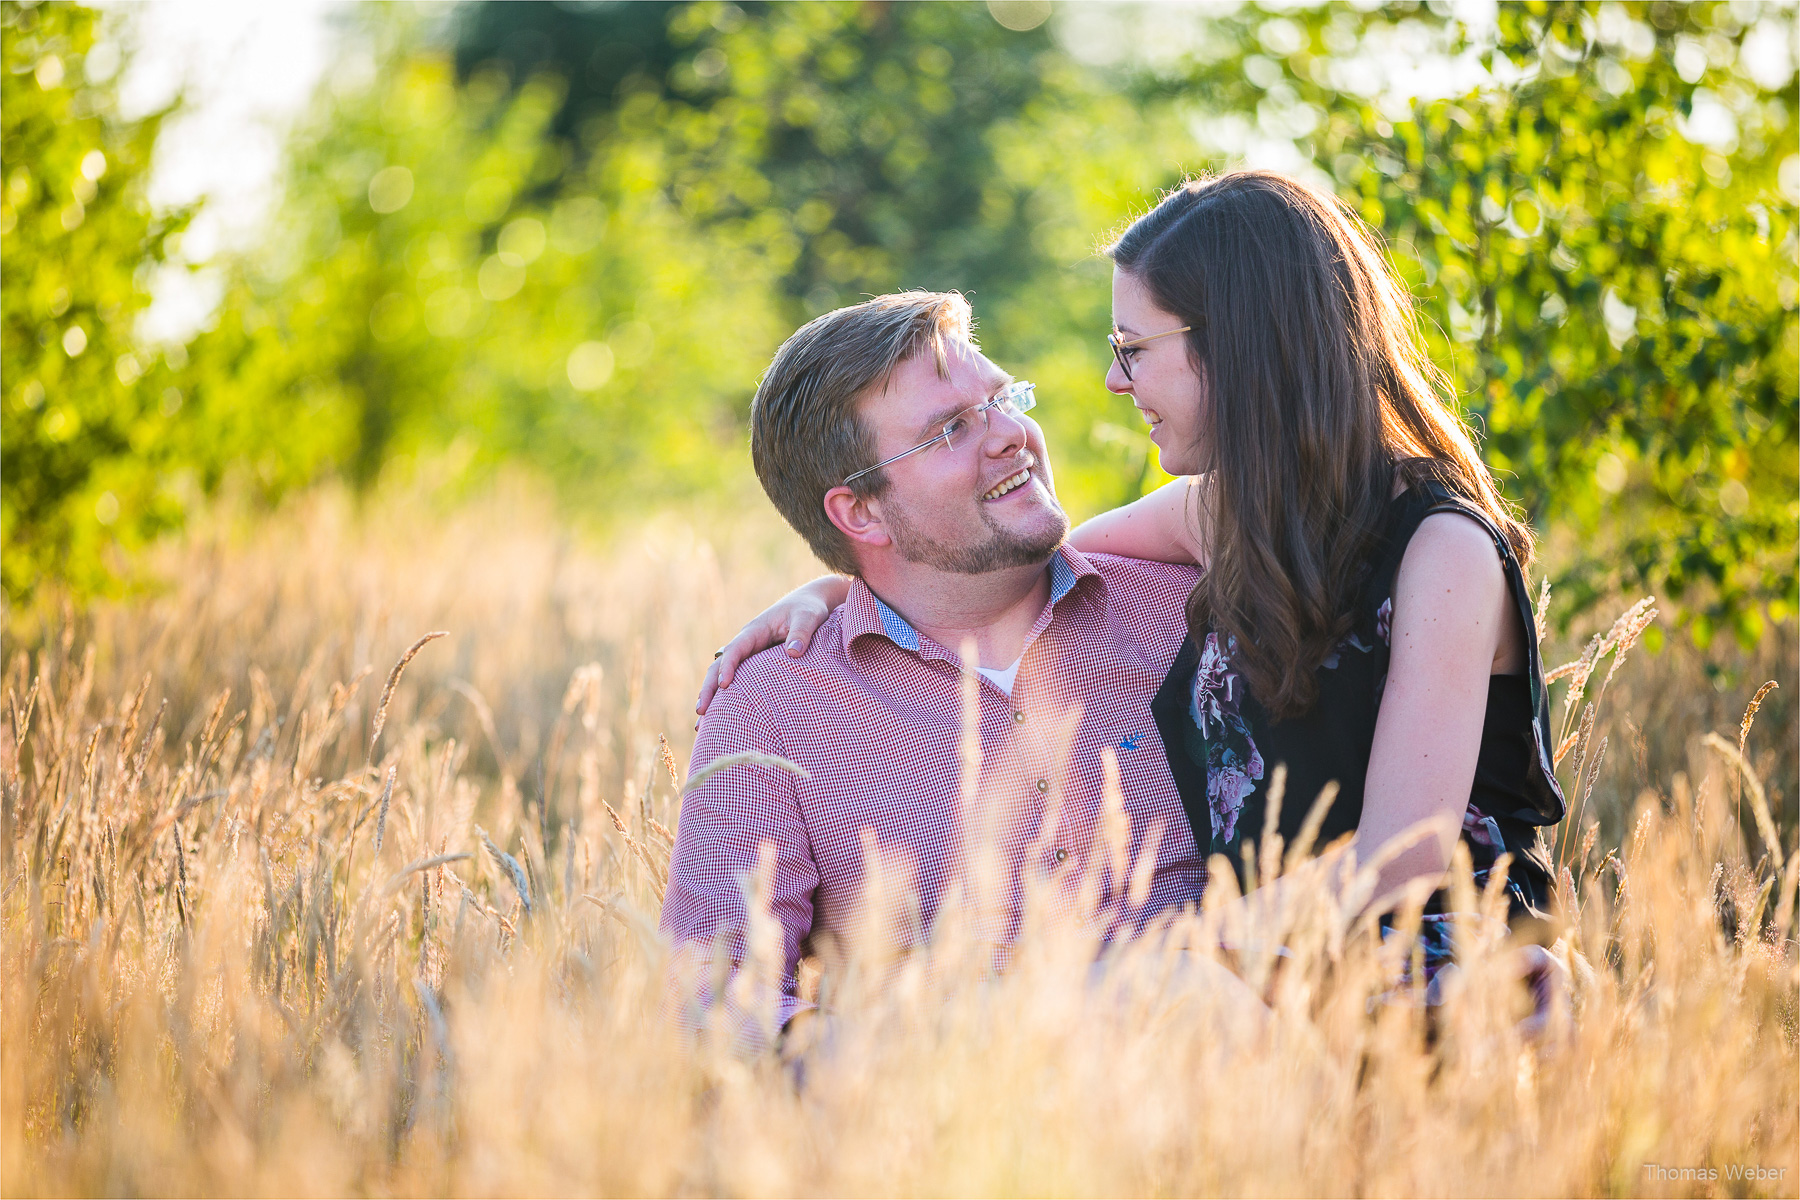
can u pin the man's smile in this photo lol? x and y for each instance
(1010, 483)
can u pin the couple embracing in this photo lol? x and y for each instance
(1332, 583)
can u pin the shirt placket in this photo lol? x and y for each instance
(1032, 721)
(1015, 733)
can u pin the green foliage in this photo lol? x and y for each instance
(87, 412)
(1622, 255)
(448, 270)
(1604, 243)
(571, 236)
(440, 276)
(867, 128)
(849, 142)
(868, 148)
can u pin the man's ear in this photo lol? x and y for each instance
(856, 517)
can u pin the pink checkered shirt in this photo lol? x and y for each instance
(873, 712)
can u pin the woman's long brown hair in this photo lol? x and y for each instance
(1319, 396)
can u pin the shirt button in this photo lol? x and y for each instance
(1043, 785)
(1060, 854)
(1019, 718)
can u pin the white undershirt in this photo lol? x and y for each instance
(1002, 677)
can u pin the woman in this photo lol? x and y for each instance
(1362, 614)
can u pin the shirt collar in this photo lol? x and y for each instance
(865, 613)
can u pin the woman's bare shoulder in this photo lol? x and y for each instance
(1452, 577)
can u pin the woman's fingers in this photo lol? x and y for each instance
(758, 635)
(1550, 982)
(801, 627)
(795, 618)
(708, 687)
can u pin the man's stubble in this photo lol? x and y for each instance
(1001, 550)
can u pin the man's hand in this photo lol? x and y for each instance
(793, 619)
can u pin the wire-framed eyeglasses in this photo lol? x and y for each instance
(1013, 399)
(1121, 345)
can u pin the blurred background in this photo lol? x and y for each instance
(326, 326)
(303, 266)
(256, 247)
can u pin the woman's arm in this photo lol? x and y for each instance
(1452, 628)
(793, 618)
(1159, 526)
(1163, 526)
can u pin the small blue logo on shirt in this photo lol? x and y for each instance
(1131, 742)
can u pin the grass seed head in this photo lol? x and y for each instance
(393, 681)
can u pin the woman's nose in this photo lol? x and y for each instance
(1116, 380)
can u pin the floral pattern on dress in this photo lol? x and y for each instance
(1482, 831)
(1384, 621)
(1336, 656)
(1233, 763)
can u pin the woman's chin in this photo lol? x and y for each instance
(1173, 461)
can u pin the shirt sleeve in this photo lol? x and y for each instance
(737, 972)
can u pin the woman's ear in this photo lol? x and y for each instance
(857, 517)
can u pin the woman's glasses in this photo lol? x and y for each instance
(1013, 399)
(1121, 345)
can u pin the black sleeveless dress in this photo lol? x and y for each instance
(1223, 748)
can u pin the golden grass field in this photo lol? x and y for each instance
(225, 970)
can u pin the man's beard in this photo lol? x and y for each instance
(1001, 549)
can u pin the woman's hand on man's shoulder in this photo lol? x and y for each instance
(790, 622)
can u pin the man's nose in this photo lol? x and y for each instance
(1006, 433)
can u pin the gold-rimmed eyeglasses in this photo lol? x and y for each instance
(1121, 345)
(1013, 399)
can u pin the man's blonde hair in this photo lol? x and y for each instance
(806, 435)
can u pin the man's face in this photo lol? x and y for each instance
(985, 504)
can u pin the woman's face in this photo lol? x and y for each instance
(1163, 385)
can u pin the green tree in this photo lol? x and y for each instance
(1603, 233)
(877, 147)
(572, 235)
(849, 140)
(87, 412)
(457, 262)
(440, 275)
(865, 148)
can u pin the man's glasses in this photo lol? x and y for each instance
(1013, 399)
(1121, 345)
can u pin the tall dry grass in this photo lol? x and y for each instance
(252, 947)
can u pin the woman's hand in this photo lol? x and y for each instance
(793, 619)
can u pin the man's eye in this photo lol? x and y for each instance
(955, 426)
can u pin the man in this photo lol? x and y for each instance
(907, 460)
